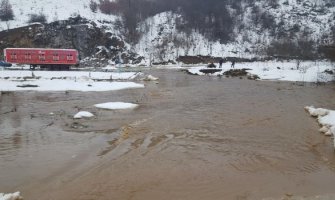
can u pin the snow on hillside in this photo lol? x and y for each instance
(312, 16)
(161, 41)
(54, 11)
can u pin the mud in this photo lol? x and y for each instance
(192, 137)
(236, 72)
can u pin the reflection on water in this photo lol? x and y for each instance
(10, 125)
(9, 144)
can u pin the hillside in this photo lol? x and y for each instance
(163, 32)
(53, 10)
(296, 29)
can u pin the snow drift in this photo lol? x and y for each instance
(326, 119)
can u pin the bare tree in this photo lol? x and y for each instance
(93, 6)
(6, 12)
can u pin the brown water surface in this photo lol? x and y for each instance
(191, 137)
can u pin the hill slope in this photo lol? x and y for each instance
(53, 10)
(257, 28)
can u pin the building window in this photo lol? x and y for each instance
(55, 57)
(13, 56)
(69, 57)
(42, 57)
(27, 56)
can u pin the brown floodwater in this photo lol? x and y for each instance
(192, 137)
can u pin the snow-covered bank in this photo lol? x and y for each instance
(326, 119)
(11, 196)
(70, 75)
(66, 85)
(307, 71)
(116, 105)
(65, 80)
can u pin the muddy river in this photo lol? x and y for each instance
(192, 137)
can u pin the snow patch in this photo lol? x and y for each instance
(150, 78)
(10, 196)
(83, 114)
(116, 105)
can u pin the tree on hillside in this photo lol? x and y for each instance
(41, 18)
(93, 6)
(108, 7)
(6, 12)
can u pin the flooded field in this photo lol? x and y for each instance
(192, 137)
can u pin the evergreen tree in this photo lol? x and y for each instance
(93, 6)
(6, 12)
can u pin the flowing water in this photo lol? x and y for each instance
(192, 137)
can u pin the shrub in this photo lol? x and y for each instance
(41, 18)
(6, 11)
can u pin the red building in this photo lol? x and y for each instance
(44, 58)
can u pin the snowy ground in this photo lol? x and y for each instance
(65, 80)
(13, 80)
(326, 119)
(307, 71)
